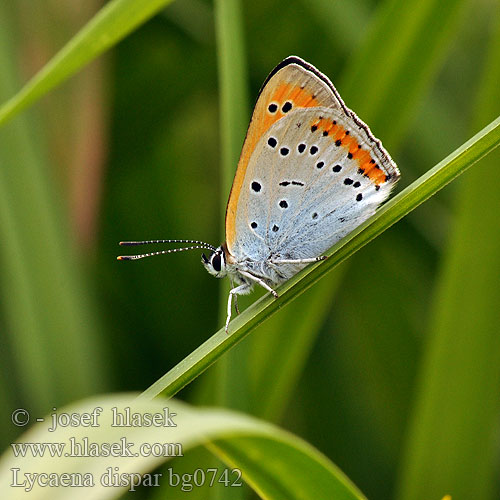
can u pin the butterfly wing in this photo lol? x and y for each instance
(293, 84)
(312, 175)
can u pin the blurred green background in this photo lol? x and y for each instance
(390, 366)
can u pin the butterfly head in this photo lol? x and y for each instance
(215, 263)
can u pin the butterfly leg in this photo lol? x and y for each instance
(233, 293)
(299, 261)
(262, 283)
(236, 308)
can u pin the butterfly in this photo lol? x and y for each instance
(310, 172)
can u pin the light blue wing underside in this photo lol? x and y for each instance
(301, 192)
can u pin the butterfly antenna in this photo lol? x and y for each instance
(198, 244)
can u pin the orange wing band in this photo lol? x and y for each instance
(263, 118)
(366, 163)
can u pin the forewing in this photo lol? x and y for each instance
(292, 85)
(313, 177)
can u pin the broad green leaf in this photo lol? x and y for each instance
(307, 473)
(272, 461)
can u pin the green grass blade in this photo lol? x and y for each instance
(415, 194)
(233, 105)
(49, 323)
(234, 118)
(281, 347)
(451, 446)
(387, 68)
(396, 61)
(112, 23)
(341, 30)
(233, 90)
(262, 451)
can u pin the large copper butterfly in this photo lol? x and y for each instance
(309, 173)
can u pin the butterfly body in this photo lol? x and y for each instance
(310, 171)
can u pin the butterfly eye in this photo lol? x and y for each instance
(216, 262)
